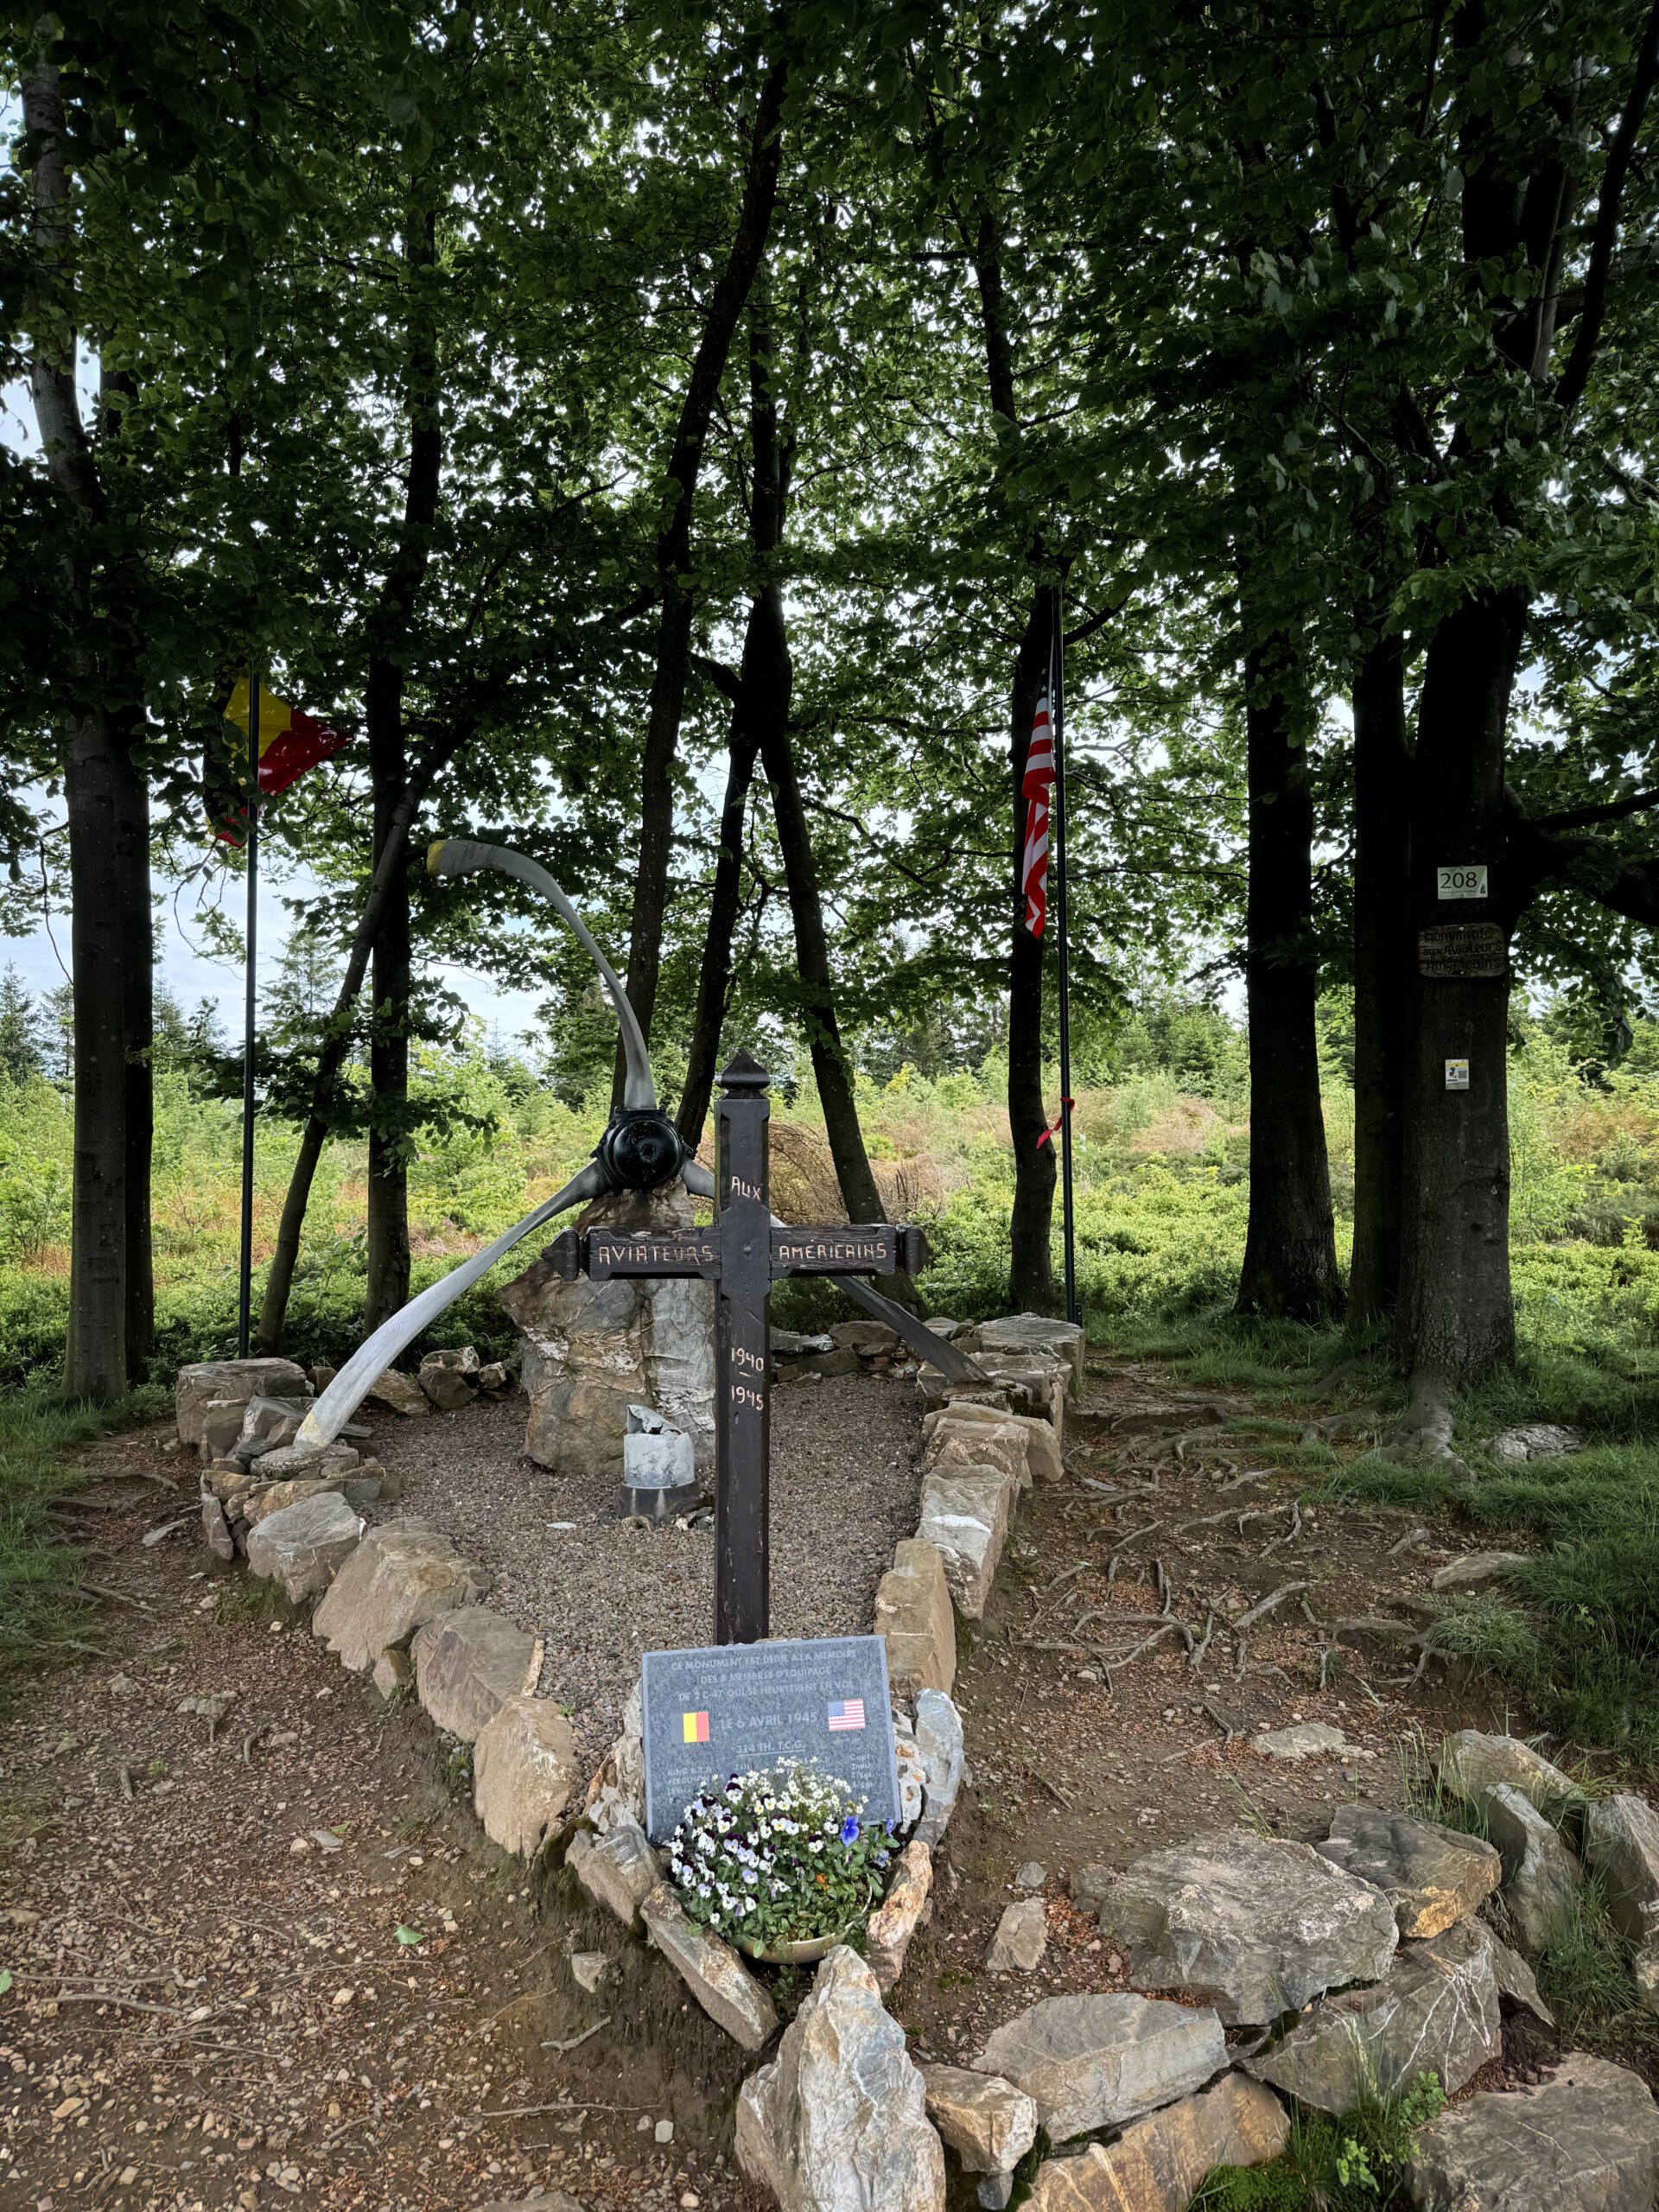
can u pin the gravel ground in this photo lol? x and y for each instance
(845, 1489)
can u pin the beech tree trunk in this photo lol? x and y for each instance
(1383, 959)
(390, 1129)
(714, 974)
(107, 802)
(1031, 1267)
(1290, 1253)
(675, 581)
(1455, 1313)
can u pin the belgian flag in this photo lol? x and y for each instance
(290, 743)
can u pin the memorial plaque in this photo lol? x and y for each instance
(1462, 948)
(725, 1709)
(834, 1251)
(690, 1252)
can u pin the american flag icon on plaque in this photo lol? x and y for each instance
(846, 1713)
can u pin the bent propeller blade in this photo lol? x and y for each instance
(371, 1359)
(933, 1351)
(461, 856)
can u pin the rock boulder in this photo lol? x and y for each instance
(466, 1665)
(618, 1870)
(1541, 1875)
(1471, 1761)
(1431, 1875)
(1621, 1842)
(1436, 2008)
(894, 1922)
(1256, 1924)
(913, 1616)
(989, 2123)
(402, 1575)
(965, 1518)
(304, 1545)
(711, 1970)
(525, 1772)
(1586, 2140)
(1020, 1940)
(837, 2122)
(231, 1382)
(398, 1393)
(1157, 2164)
(1098, 2061)
(1034, 1332)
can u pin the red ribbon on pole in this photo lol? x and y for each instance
(1055, 1123)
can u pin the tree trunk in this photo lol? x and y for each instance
(674, 556)
(388, 876)
(714, 975)
(1290, 1254)
(106, 799)
(1455, 1314)
(1031, 1272)
(1383, 958)
(390, 1132)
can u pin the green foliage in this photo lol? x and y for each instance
(1355, 2164)
(1586, 1979)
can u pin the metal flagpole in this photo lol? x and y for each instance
(245, 1298)
(1056, 715)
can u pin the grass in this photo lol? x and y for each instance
(1356, 2163)
(46, 1618)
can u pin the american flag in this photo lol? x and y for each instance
(846, 1713)
(1038, 784)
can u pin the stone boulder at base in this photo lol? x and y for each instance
(837, 2122)
(466, 1665)
(1020, 1940)
(965, 1518)
(402, 1575)
(1541, 1875)
(592, 1349)
(894, 1922)
(1621, 1843)
(449, 1379)
(940, 1748)
(914, 1618)
(1585, 2140)
(1537, 1439)
(711, 1970)
(304, 1545)
(1157, 2164)
(1475, 1570)
(989, 2123)
(525, 1772)
(398, 1393)
(1436, 2008)
(231, 1382)
(1256, 1924)
(957, 1443)
(1431, 1875)
(1098, 2062)
(617, 1791)
(1471, 1761)
(618, 1870)
(1025, 1333)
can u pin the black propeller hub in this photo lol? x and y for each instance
(640, 1149)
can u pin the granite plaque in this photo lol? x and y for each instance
(726, 1708)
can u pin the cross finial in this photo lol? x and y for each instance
(744, 1073)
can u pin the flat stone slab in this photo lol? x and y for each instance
(965, 1518)
(1257, 1925)
(398, 1393)
(1586, 2140)
(1620, 1844)
(1431, 1875)
(989, 2123)
(1020, 1940)
(895, 1920)
(1536, 1440)
(467, 1664)
(525, 1772)
(399, 1578)
(837, 2122)
(939, 1745)
(1023, 1332)
(711, 1970)
(1541, 1874)
(1096, 2061)
(1471, 1761)
(231, 1381)
(1436, 2008)
(1157, 2164)
(303, 1546)
(1307, 1740)
(618, 1870)
(915, 1617)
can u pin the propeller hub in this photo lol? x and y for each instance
(640, 1149)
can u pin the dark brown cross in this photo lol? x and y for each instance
(742, 1256)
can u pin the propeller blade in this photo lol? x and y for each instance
(460, 856)
(933, 1351)
(370, 1360)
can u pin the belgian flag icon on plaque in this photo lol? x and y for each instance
(693, 1728)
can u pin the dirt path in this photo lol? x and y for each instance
(265, 1955)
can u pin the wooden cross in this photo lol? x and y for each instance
(742, 1256)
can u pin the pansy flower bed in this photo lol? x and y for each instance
(779, 1856)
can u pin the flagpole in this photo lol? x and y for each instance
(1056, 692)
(245, 1288)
